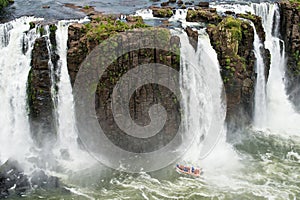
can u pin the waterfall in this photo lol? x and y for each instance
(204, 107)
(281, 115)
(65, 109)
(15, 49)
(67, 149)
(260, 108)
(53, 73)
(278, 115)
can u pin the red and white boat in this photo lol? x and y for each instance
(192, 171)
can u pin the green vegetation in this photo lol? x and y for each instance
(53, 28)
(41, 30)
(103, 27)
(32, 25)
(230, 32)
(4, 3)
(248, 16)
(191, 14)
(297, 2)
(86, 7)
(234, 27)
(203, 15)
(165, 12)
(31, 94)
(297, 59)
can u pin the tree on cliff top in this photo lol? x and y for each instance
(4, 3)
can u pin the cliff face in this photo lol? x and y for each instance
(233, 41)
(42, 120)
(290, 33)
(84, 38)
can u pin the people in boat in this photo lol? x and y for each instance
(193, 170)
(187, 169)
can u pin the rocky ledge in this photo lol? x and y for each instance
(290, 33)
(39, 90)
(15, 183)
(84, 38)
(205, 15)
(232, 39)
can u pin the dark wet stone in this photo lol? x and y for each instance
(203, 4)
(12, 179)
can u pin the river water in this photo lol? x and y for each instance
(262, 163)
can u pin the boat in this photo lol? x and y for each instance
(192, 171)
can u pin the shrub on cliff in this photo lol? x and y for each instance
(3, 3)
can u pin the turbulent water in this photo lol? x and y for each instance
(15, 50)
(264, 163)
(260, 87)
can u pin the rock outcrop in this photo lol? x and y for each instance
(290, 33)
(12, 180)
(257, 21)
(205, 15)
(39, 94)
(165, 12)
(193, 36)
(84, 38)
(233, 40)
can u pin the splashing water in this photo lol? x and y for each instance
(67, 125)
(15, 51)
(271, 161)
(282, 118)
(260, 87)
(67, 149)
(201, 87)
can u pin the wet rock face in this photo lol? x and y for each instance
(233, 41)
(193, 36)
(42, 121)
(257, 21)
(290, 33)
(40, 180)
(12, 180)
(80, 43)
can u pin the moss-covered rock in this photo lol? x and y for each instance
(233, 40)
(257, 21)
(4, 3)
(203, 15)
(40, 104)
(162, 12)
(290, 33)
(84, 38)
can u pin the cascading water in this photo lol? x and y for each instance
(280, 113)
(67, 147)
(15, 49)
(201, 87)
(260, 110)
(65, 109)
(267, 166)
